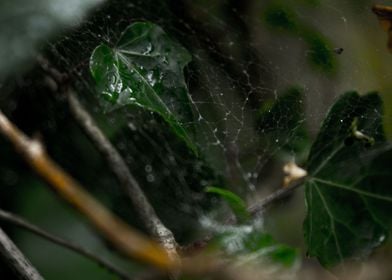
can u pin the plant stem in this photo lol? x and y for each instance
(16, 260)
(274, 197)
(124, 238)
(22, 223)
(115, 162)
(118, 166)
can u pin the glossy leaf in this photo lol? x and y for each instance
(348, 193)
(145, 68)
(24, 24)
(237, 205)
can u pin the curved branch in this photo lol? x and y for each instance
(127, 240)
(16, 260)
(118, 166)
(22, 223)
(115, 162)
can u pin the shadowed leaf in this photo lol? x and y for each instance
(348, 191)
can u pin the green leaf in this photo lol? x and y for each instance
(249, 244)
(348, 193)
(276, 252)
(25, 24)
(281, 124)
(145, 68)
(237, 205)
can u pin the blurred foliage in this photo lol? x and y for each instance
(248, 244)
(282, 16)
(237, 205)
(24, 25)
(235, 81)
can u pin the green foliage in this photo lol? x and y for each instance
(320, 52)
(249, 244)
(281, 123)
(145, 68)
(24, 24)
(237, 205)
(282, 17)
(348, 194)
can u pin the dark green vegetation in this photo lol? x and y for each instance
(194, 98)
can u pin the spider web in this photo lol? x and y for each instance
(239, 65)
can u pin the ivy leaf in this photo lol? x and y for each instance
(25, 24)
(348, 193)
(237, 205)
(145, 68)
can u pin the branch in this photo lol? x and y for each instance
(118, 166)
(16, 260)
(22, 223)
(124, 238)
(274, 197)
(115, 161)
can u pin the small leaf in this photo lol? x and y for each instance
(348, 193)
(249, 244)
(276, 252)
(237, 205)
(145, 69)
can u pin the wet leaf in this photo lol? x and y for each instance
(237, 205)
(348, 193)
(145, 69)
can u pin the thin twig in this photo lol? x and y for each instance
(16, 260)
(127, 240)
(22, 223)
(281, 193)
(118, 166)
(116, 163)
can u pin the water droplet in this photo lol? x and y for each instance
(150, 178)
(148, 168)
(150, 78)
(132, 126)
(148, 49)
